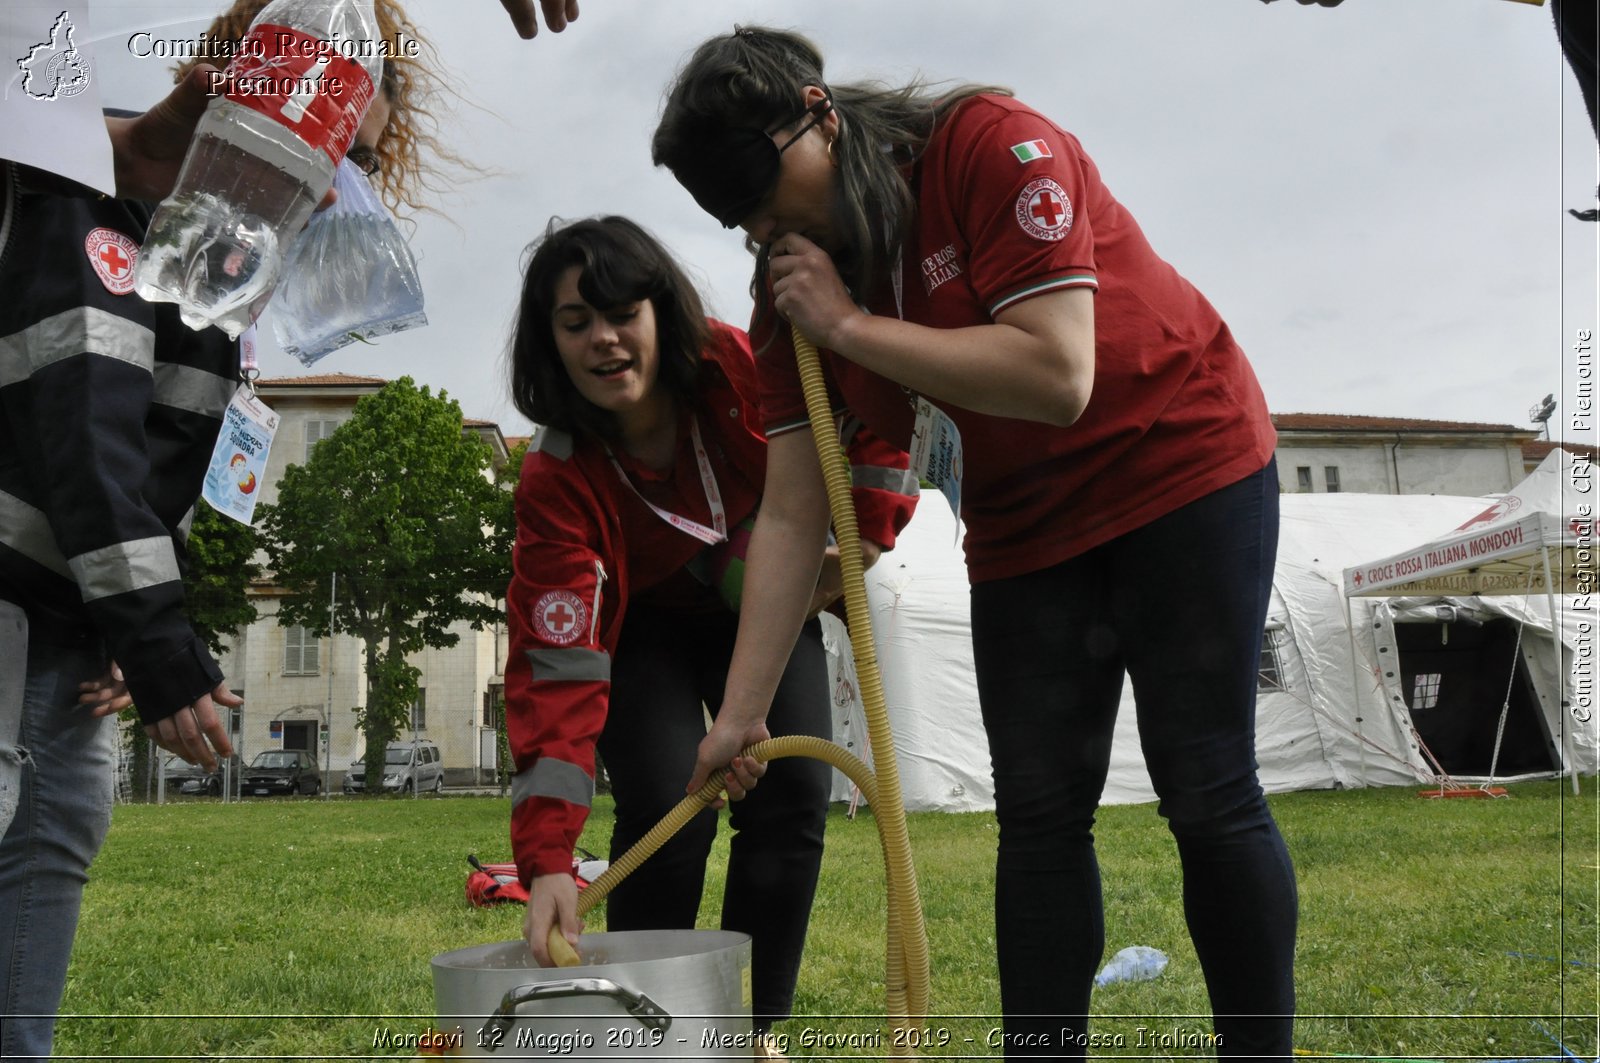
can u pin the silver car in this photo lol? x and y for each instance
(407, 767)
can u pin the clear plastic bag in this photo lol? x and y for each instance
(349, 276)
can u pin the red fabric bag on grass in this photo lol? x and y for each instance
(492, 884)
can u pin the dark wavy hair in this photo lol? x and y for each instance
(621, 263)
(757, 76)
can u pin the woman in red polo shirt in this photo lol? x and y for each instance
(978, 293)
(647, 471)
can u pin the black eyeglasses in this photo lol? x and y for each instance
(364, 159)
(734, 169)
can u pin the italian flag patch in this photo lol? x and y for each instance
(1029, 150)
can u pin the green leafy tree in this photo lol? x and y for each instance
(392, 681)
(398, 505)
(221, 566)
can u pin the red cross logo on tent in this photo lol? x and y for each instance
(1356, 579)
(560, 617)
(112, 256)
(1043, 210)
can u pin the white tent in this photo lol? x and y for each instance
(1537, 539)
(1526, 541)
(1327, 714)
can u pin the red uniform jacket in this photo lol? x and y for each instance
(573, 573)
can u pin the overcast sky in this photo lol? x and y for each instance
(1372, 195)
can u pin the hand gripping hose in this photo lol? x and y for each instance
(906, 981)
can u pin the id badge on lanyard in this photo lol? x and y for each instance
(935, 452)
(935, 440)
(238, 466)
(718, 531)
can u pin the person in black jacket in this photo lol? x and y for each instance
(109, 408)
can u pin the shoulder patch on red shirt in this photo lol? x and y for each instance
(560, 617)
(1043, 210)
(112, 255)
(1030, 150)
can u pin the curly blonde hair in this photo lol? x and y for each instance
(411, 151)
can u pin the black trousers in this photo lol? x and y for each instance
(1178, 606)
(667, 665)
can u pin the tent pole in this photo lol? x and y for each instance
(1555, 633)
(1355, 689)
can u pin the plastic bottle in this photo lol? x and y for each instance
(1136, 963)
(262, 157)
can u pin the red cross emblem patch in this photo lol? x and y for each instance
(560, 617)
(112, 256)
(1043, 210)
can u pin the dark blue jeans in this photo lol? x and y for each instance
(1178, 605)
(64, 787)
(667, 665)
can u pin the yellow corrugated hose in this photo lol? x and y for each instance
(906, 981)
(907, 961)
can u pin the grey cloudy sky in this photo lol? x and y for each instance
(1372, 195)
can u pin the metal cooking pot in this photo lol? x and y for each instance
(680, 994)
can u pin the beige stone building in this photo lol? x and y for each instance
(1327, 453)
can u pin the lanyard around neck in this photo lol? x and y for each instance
(718, 532)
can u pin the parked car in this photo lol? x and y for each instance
(281, 771)
(407, 766)
(186, 778)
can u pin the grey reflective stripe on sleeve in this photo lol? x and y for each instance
(195, 390)
(900, 481)
(578, 663)
(71, 333)
(553, 778)
(781, 427)
(27, 531)
(552, 441)
(123, 567)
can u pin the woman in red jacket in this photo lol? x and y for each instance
(635, 498)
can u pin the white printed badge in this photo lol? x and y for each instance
(239, 462)
(936, 453)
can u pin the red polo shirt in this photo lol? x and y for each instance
(1010, 207)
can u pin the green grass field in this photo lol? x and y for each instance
(1429, 929)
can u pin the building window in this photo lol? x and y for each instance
(1425, 690)
(1302, 477)
(494, 705)
(302, 652)
(1331, 474)
(1269, 674)
(316, 432)
(419, 710)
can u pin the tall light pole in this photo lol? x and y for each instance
(1539, 413)
(327, 739)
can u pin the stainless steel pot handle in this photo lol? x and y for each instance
(649, 1014)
